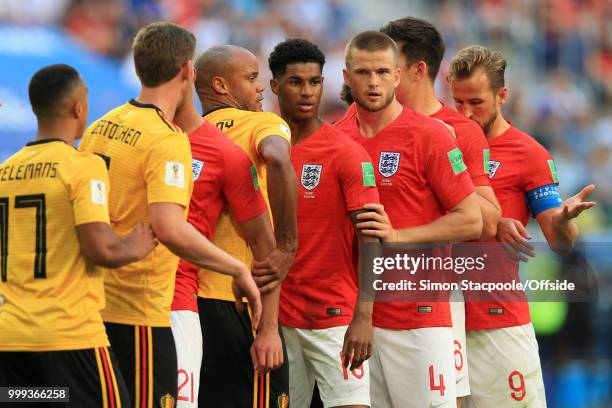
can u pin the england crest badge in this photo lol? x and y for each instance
(493, 166)
(388, 163)
(311, 175)
(196, 168)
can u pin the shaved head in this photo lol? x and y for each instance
(229, 75)
(222, 61)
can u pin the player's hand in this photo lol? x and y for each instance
(514, 238)
(267, 350)
(141, 240)
(357, 346)
(375, 223)
(270, 272)
(244, 285)
(574, 206)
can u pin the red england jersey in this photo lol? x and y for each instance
(469, 137)
(472, 143)
(222, 174)
(420, 176)
(335, 177)
(522, 175)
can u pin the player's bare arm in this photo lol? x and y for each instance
(462, 223)
(267, 348)
(101, 246)
(171, 229)
(491, 211)
(282, 194)
(358, 337)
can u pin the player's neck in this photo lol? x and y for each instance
(57, 129)
(211, 103)
(498, 128)
(370, 123)
(165, 97)
(188, 118)
(300, 130)
(424, 100)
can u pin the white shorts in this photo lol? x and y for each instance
(315, 355)
(505, 368)
(413, 368)
(188, 339)
(457, 307)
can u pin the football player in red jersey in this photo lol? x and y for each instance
(502, 349)
(421, 52)
(223, 176)
(324, 326)
(429, 198)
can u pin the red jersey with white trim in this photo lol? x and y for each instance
(420, 176)
(222, 174)
(335, 177)
(518, 164)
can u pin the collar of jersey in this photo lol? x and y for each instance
(142, 105)
(41, 141)
(218, 108)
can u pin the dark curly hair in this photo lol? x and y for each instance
(293, 51)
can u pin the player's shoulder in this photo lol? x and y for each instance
(528, 143)
(337, 138)
(84, 160)
(424, 129)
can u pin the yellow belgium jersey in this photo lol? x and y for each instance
(52, 295)
(247, 129)
(149, 161)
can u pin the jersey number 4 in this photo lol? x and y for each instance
(26, 201)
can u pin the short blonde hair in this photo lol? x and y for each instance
(370, 41)
(469, 59)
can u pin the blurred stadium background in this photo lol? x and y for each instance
(559, 76)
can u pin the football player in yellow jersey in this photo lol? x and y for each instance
(149, 158)
(229, 88)
(54, 226)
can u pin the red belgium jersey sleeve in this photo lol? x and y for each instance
(241, 186)
(356, 174)
(445, 169)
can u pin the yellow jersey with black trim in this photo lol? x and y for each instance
(149, 161)
(247, 129)
(52, 296)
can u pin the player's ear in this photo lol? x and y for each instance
(502, 94)
(420, 70)
(220, 85)
(188, 71)
(345, 75)
(274, 86)
(398, 72)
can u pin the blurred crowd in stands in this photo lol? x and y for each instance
(559, 53)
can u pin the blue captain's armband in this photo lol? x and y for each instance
(543, 198)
